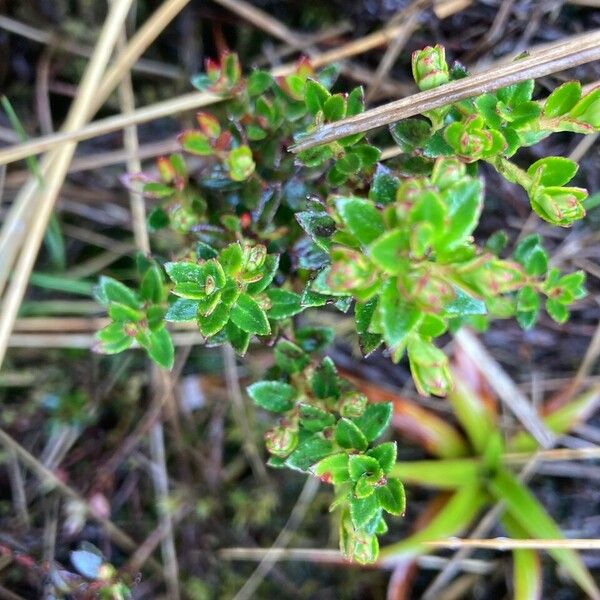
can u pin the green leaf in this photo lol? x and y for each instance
(152, 287)
(269, 271)
(475, 415)
(313, 418)
(527, 571)
(361, 464)
(231, 259)
(238, 339)
(367, 154)
(464, 305)
(196, 142)
(195, 281)
(411, 133)
(113, 339)
(588, 109)
(387, 251)
(524, 508)
(258, 82)
(318, 225)
(385, 454)
(284, 304)
(517, 93)
(111, 290)
(249, 316)
(562, 99)
(391, 497)
(334, 108)
(465, 201)
(559, 420)
(531, 254)
(272, 395)
(557, 311)
(363, 313)
(211, 323)
(324, 382)
(374, 421)
(362, 510)
(121, 312)
(158, 219)
(161, 349)
(446, 474)
(348, 435)
(310, 450)
(363, 220)
(356, 102)
(315, 96)
(554, 170)
(348, 164)
(289, 357)
(182, 310)
(384, 186)
(332, 469)
(397, 318)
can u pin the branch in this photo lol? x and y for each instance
(564, 55)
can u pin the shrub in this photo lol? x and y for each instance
(256, 236)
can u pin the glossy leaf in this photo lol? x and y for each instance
(363, 220)
(391, 497)
(272, 395)
(249, 316)
(374, 420)
(284, 304)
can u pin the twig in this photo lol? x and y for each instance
(134, 165)
(583, 147)
(110, 124)
(561, 56)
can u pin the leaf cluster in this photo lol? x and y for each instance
(326, 428)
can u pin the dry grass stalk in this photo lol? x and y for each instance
(446, 8)
(504, 387)
(561, 56)
(142, 65)
(182, 103)
(17, 220)
(59, 163)
(503, 544)
(262, 20)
